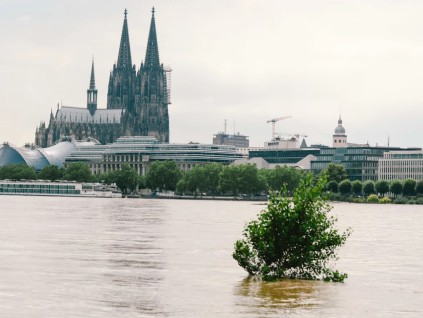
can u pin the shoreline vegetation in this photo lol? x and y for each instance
(245, 182)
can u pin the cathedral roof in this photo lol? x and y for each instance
(70, 114)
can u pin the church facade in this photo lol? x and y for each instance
(137, 101)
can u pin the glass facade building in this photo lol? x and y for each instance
(283, 156)
(361, 163)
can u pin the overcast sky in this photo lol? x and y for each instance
(246, 61)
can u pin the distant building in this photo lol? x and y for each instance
(140, 152)
(401, 165)
(360, 162)
(236, 140)
(137, 101)
(300, 157)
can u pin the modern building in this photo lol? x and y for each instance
(236, 140)
(37, 157)
(360, 162)
(296, 157)
(137, 101)
(401, 165)
(140, 152)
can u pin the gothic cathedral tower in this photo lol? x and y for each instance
(122, 78)
(152, 92)
(137, 103)
(92, 93)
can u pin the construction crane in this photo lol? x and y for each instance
(273, 121)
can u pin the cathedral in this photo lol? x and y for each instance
(137, 101)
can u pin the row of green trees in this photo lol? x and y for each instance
(215, 179)
(338, 183)
(408, 187)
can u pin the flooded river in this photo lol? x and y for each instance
(83, 257)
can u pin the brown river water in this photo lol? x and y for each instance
(87, 257)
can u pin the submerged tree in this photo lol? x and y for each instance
(293, 238)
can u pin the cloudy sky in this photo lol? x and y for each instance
(246, 61)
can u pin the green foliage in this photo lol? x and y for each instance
(385, 200)
(368, 187)
(126, 178)
(382, 187)
(181, 186)
(241, 179)
(77, 171)
(17, 172)
(409, 187)
(292, 238)
(357, 187)
(51, 173)
(373, 198)
(279, 177)
(249, 181)
(228, 179)
(335, 172)
(141, 182)
(334, 196)
(332, 186)
(201, 179)
(395, 187)
(210, 175)
(345, 187)
(400, 201)
(163, 175)
(419, 187)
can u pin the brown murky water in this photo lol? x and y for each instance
(81, 257)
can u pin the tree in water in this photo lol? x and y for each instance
(293, 237)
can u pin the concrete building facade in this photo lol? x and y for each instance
(401, 165)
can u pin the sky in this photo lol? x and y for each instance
(246, 61)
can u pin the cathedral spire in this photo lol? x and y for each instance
(92, 92)
(152, 53)
(124, 58)
(92, 79)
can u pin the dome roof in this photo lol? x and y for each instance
(37, 157)
(340, 130)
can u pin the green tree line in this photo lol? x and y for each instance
(210, 179)
(338, 183)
